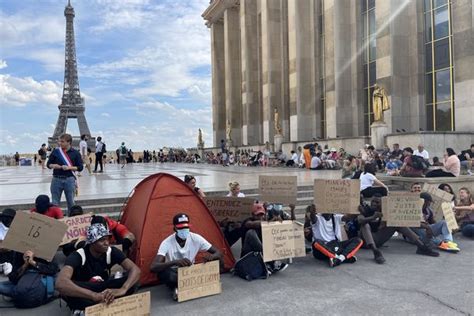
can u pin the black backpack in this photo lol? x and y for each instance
(33, 289)
(419, 163)
(104, 150)
(251, 267)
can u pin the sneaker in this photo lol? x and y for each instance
(447, 247)
(7, 268)
(334, 262)
(469, 172)
(281, 267)
(452, 243)
(77, 312)
(352, 259)
(175, 294)
(378, 257)
(426, 251)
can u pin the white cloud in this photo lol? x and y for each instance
(20, 92)
(105, 114)
(3, 64)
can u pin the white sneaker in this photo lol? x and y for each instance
(7, 268)
(469, 172)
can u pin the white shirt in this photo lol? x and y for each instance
(366, 180)
(315, 162)
(170, 248)
(98, 147)
(324, 230)
(423, 154)
(83, 147)
(294, 157)
(3, 231)
(238, 195)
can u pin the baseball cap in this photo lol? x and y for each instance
(426, 196)
(96, 232)
(181, 220)
(42, 203)
(258, 209)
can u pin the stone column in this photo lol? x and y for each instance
(285, 90)
(463, 58)
(251, 127)
(218, 82)
(233, 92)
(301, 61)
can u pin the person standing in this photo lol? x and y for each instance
(99, 152)
(123, 154)
(84, 153)
(42, 154)
(17, 159)
(35, 158)
(64, 160)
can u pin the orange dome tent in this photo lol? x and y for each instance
(149, 211)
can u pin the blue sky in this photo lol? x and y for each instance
(144, 71)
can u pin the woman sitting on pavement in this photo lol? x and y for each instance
(367, 181)
(234, 190)
(191, 182)
(452, 166)
(447, 188)
(465, 212)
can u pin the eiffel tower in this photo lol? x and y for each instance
(72, 104)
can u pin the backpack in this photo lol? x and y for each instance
(33, 289)
(108, 255)
(123, 150)
(251, 267)
(104, 150)
(419, 163)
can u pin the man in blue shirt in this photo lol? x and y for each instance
(64, 160)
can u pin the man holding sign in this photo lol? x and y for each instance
(180, 250)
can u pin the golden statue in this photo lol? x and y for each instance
(278, 128)
(379, 103)
(200, 137)
(228, 131)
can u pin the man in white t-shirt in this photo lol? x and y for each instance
(316, 162)
(180, 250)
(421, 152)
(327, 238)
(84, 153)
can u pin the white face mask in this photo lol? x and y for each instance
(183, 233)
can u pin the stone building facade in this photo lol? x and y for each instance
(318, 61)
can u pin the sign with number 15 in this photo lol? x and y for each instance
(38, 233)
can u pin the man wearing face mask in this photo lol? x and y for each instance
(180, 250)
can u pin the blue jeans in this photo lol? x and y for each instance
(439, 229)
(6, 288)
(68, 185)
(468, 230)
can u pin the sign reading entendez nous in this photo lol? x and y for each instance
(337, 196)
(278, 189)
(233, 209)
(77, 226)
(439, 196)
(402, 209)
(282, 240)
(137, 305)
(38, 233)
(199, 280)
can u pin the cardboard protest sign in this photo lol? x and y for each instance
(38, 233)
(439, 196)
(137, 305)
(402, 210)
(337, 196)
(449, 216)
(233, 209)
(278, 189)
(77, 226)
(282, 240)
(199, 280)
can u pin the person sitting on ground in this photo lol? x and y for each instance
(44, 207)
(120, 235)
(21, 285)
(452, 166)
(430, 230)
(327, 238)
(391, 167)
(234, 190)
(367, 181)
(421, 151)
(316, 162)
(78, 243)
(464, 211)
(415, 187)
(180, 250)
(85, 279)
(410, 168)
(191, 182)
(294, 159)
(252, 231)
(436, 162)
(466, 158)
(398, 153)
(373, 229)
(332, 159)
(6, 258)
(349, 167)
